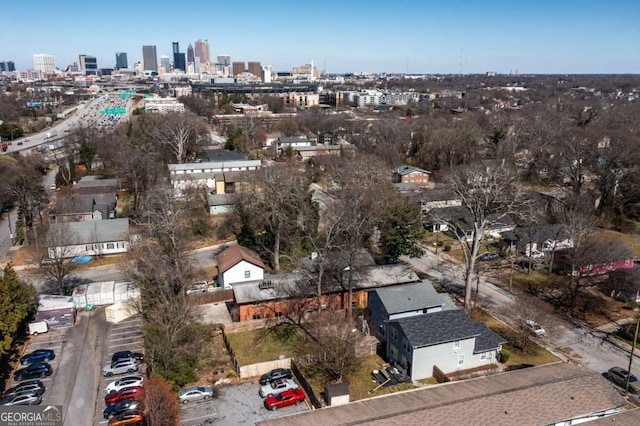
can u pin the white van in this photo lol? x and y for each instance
(38, 327)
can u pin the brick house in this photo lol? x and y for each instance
(406, 174)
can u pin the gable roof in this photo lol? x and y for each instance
(532, 396)
(94, 231)
(462, 217)
(438, 327)
(407, 170)
(236, 253)
(409, 297)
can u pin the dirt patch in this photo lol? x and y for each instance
(215, 364)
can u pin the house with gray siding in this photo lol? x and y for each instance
(446, 339)
(402, 301)
(88, 238)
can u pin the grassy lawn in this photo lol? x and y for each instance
(255, 346)
(360, 383)
(535, 355)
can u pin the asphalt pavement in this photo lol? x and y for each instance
(569, 339)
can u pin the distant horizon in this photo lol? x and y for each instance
(412, 37)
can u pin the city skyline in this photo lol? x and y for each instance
(412, 36)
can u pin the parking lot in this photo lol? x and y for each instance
(234, 405)
(78, 385)
(126, 335)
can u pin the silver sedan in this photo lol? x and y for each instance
(195, 393)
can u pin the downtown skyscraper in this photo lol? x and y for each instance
(149, 58)
(202, 51)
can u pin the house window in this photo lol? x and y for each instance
(483, 356)
(405, 344)
(460, 359)
(381, 330)
(247, 274)
(110, 246)
(278, 314)
(456, 344)
(394, 334)
(255, 317)
(87, 248)
(627, 262)
(394, 352)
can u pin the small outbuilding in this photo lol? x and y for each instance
(336, 394)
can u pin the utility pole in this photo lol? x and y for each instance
(10, 231)
(633, 346)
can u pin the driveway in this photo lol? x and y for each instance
(234, 405)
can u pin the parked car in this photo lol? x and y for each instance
(33, 371)
(39, 355)
(536, 254)
(121, 366)
(199, 287)
(120, 407)
(535, 328)
(195, 393)
(277, 386)
(124, 382)
(25, 387)
(31, 398)
(126, 418)
(138, 356)
(277, 373)
(489, 255)
(284, 399)
(135, 392)
(618, 375)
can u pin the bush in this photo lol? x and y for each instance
(504, 355)
(447, 248)
(439, 243)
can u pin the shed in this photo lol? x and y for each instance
(336, 394)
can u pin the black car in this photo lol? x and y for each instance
(127, 354)
(277, 373)
(24, 387)
(40, 355)
(121, 407)
(41, 369)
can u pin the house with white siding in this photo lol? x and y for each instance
(238, 265)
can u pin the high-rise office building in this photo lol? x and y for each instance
(238, 68)
(7, 66)
(149, 58)
(224, 60)
(165, 62)
(255, 68)
(121, 60)
(190, 54)
(88, 64)
(178, 58)
(43, 62)
(202, 51)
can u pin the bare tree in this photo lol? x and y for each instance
(276, 200)
(57, 266)
(490, 194)
(180, 133)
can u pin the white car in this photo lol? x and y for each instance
(124, 382)
(277, 386)
(536, 328)
(536, 254)
(121, 366)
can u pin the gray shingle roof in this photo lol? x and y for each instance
(95, 231)
(405, 170)
(533, 396)
(487, 340)
(409, 297)
(438, 327)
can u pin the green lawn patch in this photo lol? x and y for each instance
(263, 345)
(360, 383)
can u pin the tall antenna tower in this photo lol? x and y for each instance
(460, 62)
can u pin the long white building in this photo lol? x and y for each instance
(45, 63)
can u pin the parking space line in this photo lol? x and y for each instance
(126, 324)
(137, 346)
(127, 332)
(194, 418)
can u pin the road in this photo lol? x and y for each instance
(568, 339)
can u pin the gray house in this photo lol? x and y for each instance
(88, 238)
(402, 301)
(459, 219)
(446, 339)
(543, 238)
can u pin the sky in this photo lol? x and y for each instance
(401, 36)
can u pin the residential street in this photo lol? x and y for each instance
(569, 340)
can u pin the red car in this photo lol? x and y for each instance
(134, 392)
(284, 399)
